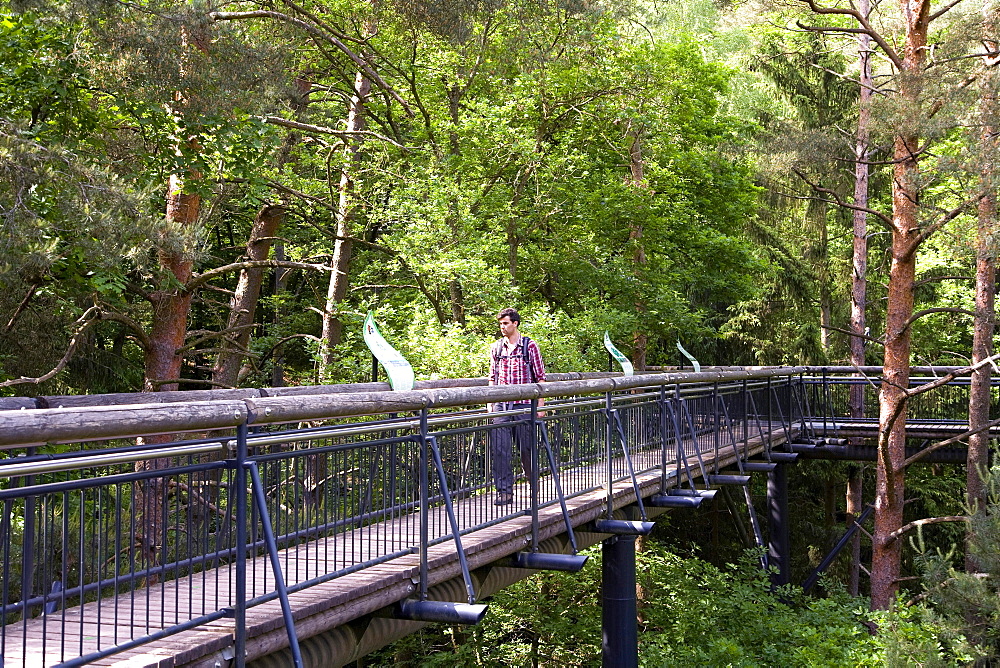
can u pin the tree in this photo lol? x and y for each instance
(984, 323)
(915, 217)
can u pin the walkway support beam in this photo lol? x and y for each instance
(778, 548)
(620, 642)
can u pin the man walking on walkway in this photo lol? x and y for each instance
(514, 359)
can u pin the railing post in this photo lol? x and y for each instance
(681, 454)
(715, 426)
(770, 411)
(746, 419)
(662, 402)
(826, 393)
(608, 436)
(28, 549)
(424, 503)
(533, 475)
(240, 491)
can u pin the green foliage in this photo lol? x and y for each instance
(693, 614)
(45, 88)
(968, 603)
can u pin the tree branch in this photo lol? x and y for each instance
(944, 10)
(913, 459)
(90, 317)
(326, 37)
(895, 535)
(934, 279)
(850, 333)
(301, 195)
(863, 22)
(201, 279)
(940, 309)
(306, 127)
(208, 336)
(886, 220)
(23, 305)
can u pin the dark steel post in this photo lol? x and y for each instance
(778, 549)
(826, 405)
(272, 552)
(662, 405)
(770, 411)
(28, 548)
(746, 421)
(620, 635)
(240, 491)
(533, 475)
(374, 369)
(424, 502)
(608, 435)
(716, 436)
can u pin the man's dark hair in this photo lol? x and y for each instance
(509, 313)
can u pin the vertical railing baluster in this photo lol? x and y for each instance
(239, 489)
(608, 436)
(715, 426)
(424, 502)
(533, 475)
(746, 419)
(272, 553)
(661, 402)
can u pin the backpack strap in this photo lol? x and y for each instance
(498, 346)
(527, 358)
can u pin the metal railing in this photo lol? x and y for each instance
(827, 396)
(108, 542)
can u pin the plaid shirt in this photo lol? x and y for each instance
(507, 363)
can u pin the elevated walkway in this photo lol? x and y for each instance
(138, 553)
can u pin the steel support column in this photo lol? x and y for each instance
(620, 644)
(779, 552)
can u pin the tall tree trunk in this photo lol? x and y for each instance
(171, 304)
(977, 458)
(456, 294)
(889, 479)
(346, 210)
(855, 500)
(816, 214)
(243, 304)
(163, 363)
(640, 339)
(280, 285)
(859, 288)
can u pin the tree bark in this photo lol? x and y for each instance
(640, 339)
(162, 363)
(854, 509)
(889, 479)
(859, 288)
(346, 210)
(171, 304)
(977, 458)
(243, 304)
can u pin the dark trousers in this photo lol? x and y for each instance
(502, 441)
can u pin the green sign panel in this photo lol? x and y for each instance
(399, 370)
(627, 368)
